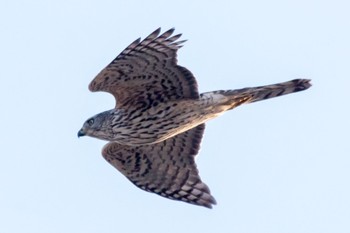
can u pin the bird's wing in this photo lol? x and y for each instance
(147, 70)
(166, 168)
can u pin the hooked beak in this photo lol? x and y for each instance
(81, 133)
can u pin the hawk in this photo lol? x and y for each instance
(156, 127)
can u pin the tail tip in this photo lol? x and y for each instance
(302, 84)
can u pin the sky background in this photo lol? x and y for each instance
(281, 165)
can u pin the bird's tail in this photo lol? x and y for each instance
(253, 94)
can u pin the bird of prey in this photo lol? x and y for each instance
(156, 127)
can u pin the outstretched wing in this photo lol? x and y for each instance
(147, 71)
(166, 168)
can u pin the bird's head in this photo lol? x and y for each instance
(96, 126)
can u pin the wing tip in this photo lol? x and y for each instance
(210, 203)
(170, 31)
(154, 34)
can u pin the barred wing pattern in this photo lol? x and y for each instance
(166, 168)
(156, 98)
(147, 70)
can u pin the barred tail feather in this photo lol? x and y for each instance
(275, 90)
(254, 94)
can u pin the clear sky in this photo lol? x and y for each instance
(281, 165)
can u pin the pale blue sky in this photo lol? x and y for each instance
(276, 166)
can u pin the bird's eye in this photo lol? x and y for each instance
(90, 121)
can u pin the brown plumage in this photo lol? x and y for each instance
(157, 125)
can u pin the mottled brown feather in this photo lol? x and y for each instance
(166, 168)
(147, 67)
